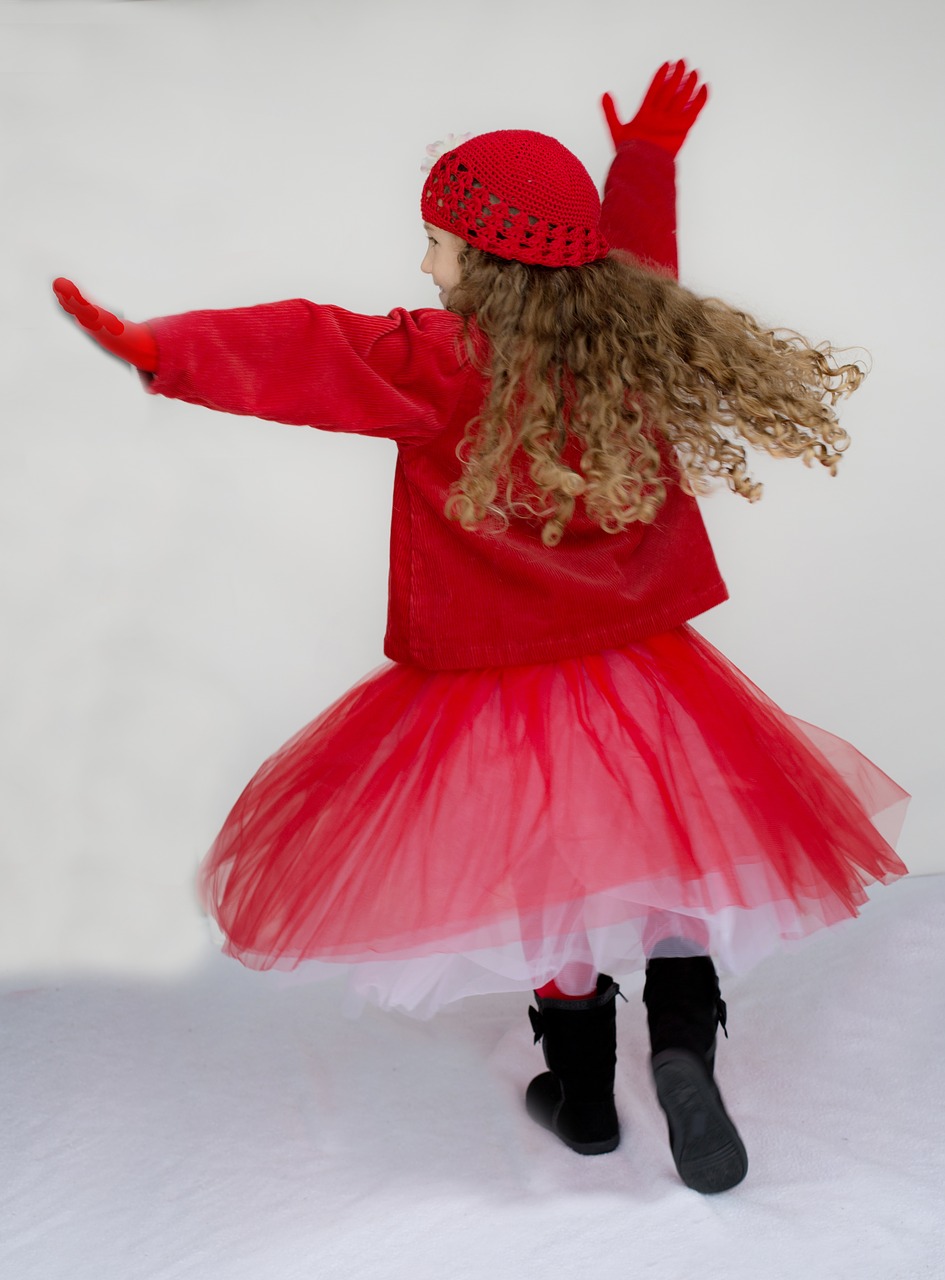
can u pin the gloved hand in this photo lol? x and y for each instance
(132, 342)
(668, 110)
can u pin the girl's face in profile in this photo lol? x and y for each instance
(441, 260)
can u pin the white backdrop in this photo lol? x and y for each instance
(181, 590)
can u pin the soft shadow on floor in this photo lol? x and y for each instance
(226, 1125)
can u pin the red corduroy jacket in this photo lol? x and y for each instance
(458, 599)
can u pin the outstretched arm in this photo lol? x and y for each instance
(295, 362)
(639, 213)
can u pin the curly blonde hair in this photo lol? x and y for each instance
(622, 362)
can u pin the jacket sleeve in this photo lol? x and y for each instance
(639, 209)
(302, 363)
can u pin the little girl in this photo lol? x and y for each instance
(555, 777)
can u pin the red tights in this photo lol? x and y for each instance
(551, 991)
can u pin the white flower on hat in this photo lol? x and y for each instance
(440, 148)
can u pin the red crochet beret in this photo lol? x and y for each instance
(517, 194)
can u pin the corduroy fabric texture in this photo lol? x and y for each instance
(520, 195)
(457, 599)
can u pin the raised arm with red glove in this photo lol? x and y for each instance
(667, 112)
(639, 214)
(132, 342)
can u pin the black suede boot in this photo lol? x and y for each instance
(575, 1098)
(684, 1007)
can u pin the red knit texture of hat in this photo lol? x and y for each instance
(517, 194)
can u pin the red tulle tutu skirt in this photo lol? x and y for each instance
(452, 833)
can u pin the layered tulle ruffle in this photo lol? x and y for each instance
(452, 833)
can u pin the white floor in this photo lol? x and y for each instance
(228, 1126)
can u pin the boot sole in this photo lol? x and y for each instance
(707, 1150)
(543, 1102)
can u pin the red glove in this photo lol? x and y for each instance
(132, 342)
(667, 112)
